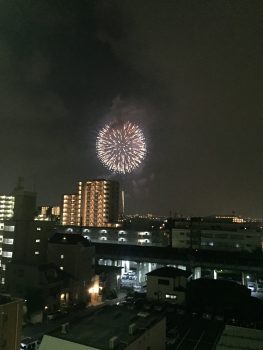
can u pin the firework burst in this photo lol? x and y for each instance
(121, 146)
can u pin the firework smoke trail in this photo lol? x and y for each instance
(121, 147)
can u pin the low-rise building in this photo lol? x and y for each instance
(111, 327)
(119, 235)
(10, 322)
(227, 233)
(167, 284)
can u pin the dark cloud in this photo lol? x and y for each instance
(204, 61)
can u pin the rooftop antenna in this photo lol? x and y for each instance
(20, 184)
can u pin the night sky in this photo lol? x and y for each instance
(189, 72)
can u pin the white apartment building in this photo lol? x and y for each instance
(218, 233)
(7, 204)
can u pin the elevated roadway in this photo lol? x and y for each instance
(236, 261)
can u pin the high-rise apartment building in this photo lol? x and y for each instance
(95, 204)
(6, 207)
(21, 238)
(71, 210)
(48, 213)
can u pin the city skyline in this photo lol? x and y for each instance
(188, 73)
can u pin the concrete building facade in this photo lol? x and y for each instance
(167, 284)
(217, 233)
(7, 204)
(96, 203)
(10, 323)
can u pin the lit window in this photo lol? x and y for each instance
(9, 228)
(61, 267)
(170, 296)
(8, 241)
(3, 266)
(62, 256)
(38, 228)
(2, 227)
(3, 280)
(7, 254)
(37, 240)
(36, 253)
(1, 239)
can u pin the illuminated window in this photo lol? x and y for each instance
(170, 296)
(38, 228)
(61, 267)
(9, 228)
(36, 253)
(8, 241)
(1, 239)
(61, 256)
(7, 254)
(3, 266)
(3, 280)
(37, 240)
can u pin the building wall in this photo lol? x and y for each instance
(114, 234)
(24, 241)
(49, 343)
(20, 278)
(212, 239)
(6, 207)
(10, 324)
(78, 260)
(164, 288)
(70, 210)
(99, 202)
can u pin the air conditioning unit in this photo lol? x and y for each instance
(64, 328)
(113, 342)
(132, 328)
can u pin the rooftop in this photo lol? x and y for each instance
(169, 271)
(94, 330)
(5, 299)
(237, 338)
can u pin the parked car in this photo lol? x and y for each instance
(252, 286)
